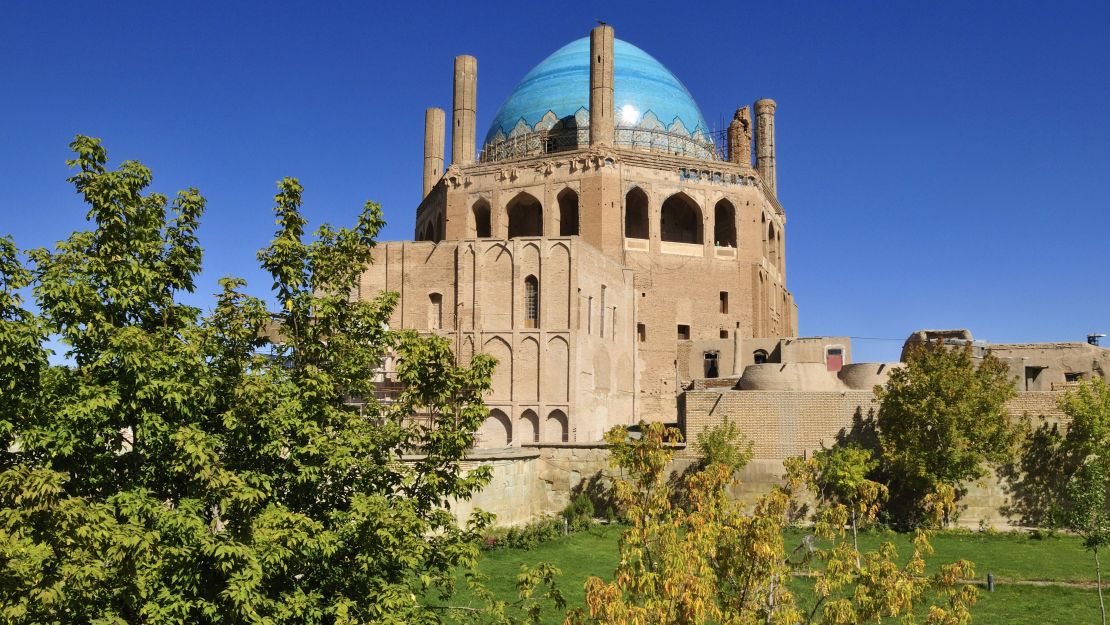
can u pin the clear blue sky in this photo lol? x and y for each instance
(942, 164)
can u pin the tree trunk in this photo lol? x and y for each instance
(855, 542)
(1098, 583)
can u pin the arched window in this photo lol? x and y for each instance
(435, 311)
(636, 214)
(680, 220)
(525, 217)
(568, 213)
(724, 224)
(763, 232)
(481, 219)
(772, 246)
(759, 356)
(531, 302)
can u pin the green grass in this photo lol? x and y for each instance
(1009, 556)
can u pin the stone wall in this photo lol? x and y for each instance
(535, 481)
(538, 480)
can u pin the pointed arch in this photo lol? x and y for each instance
(772, 245)
(636, 214)
(724, 224)
(480, 223)
(680, 220)
(501, 384)
(525, 216)
(557, 427)
(496, 431)
(528, 430)
(531, 302)
(568, 213)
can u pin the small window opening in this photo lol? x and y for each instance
(724, 302)
(1073, 377)
(602, 326)
(710, 364)
(1031, 375)
(531, 302)
(724, 334)
(759, 356)
(683, 332)
(641, 332)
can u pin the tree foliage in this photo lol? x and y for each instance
(724, 443)
(840, 477)
(184, 468)
(1085, 506)
(942, 419)
(714, 563)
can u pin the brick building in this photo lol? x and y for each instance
(602, 243)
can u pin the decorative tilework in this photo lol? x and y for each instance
(646, 95)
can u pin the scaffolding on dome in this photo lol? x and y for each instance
(713, 147)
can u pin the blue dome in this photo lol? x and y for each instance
(646, 95)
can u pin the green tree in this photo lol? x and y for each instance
(183, 468)
(941, 420)
(725, 444)
(1085, 508)
(840, 476)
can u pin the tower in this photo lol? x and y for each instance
(765, 142)
(433, 148)
(464, 116)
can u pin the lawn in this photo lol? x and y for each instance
(1009, 556)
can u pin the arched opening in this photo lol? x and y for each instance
(481, 219)
(763, 233)
(680, 220)
(496, 431)
(556, 429)
(435, 311)
(529, 427)
(772, 246)
(759, 356)
(568, 213)
(724, 224)
(531, 302)
(636, 214)
(525, 217)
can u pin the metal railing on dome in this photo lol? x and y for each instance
(649, 139)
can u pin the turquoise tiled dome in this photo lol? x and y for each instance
(646, 96)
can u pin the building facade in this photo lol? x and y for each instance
(602, 243)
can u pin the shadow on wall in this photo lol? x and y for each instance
(863, 432)
(1036, 478)
(598, 488)
(1032, 482)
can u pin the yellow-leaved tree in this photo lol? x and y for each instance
(715, 562)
